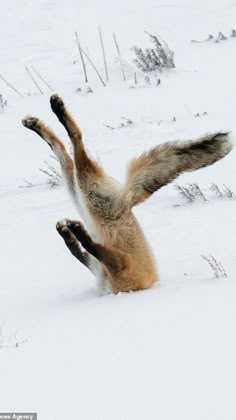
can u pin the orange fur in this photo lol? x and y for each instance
(115, 249)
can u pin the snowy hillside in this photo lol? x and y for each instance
(65, 352)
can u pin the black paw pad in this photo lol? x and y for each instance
(74, 225)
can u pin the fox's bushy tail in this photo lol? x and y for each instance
(162, 164)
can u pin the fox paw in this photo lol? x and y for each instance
(61, 226)
(57, 104)
(30, 122)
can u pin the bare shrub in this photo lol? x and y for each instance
(196, 191)
(216, 38)
(3, 103)
(157, 58)
(215, 188)
(125, 122)
(185, 193)
(192, 192)
(224, 192)
(215, 266)
(227, 192)
(10, 340)
(52, 172)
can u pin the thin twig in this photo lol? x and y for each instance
(33, 80)
(103, 53)
(12, 87)
(94, 67)
(41, 78)
(27, 184)
(82, 58)
(189, 111)
(118, 50)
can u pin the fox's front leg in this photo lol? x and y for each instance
(56, 145)
(72, 243)
(114, 261)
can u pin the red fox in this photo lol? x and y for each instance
(115, 249)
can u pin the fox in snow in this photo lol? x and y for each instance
(114, 247)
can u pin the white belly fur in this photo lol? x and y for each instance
(96, 266)
(84, 213)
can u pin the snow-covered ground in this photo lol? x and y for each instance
(66, 352)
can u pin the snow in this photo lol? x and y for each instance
(168, 352)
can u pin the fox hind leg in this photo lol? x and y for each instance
(84, 165)
(59, 108)
(99, 191)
